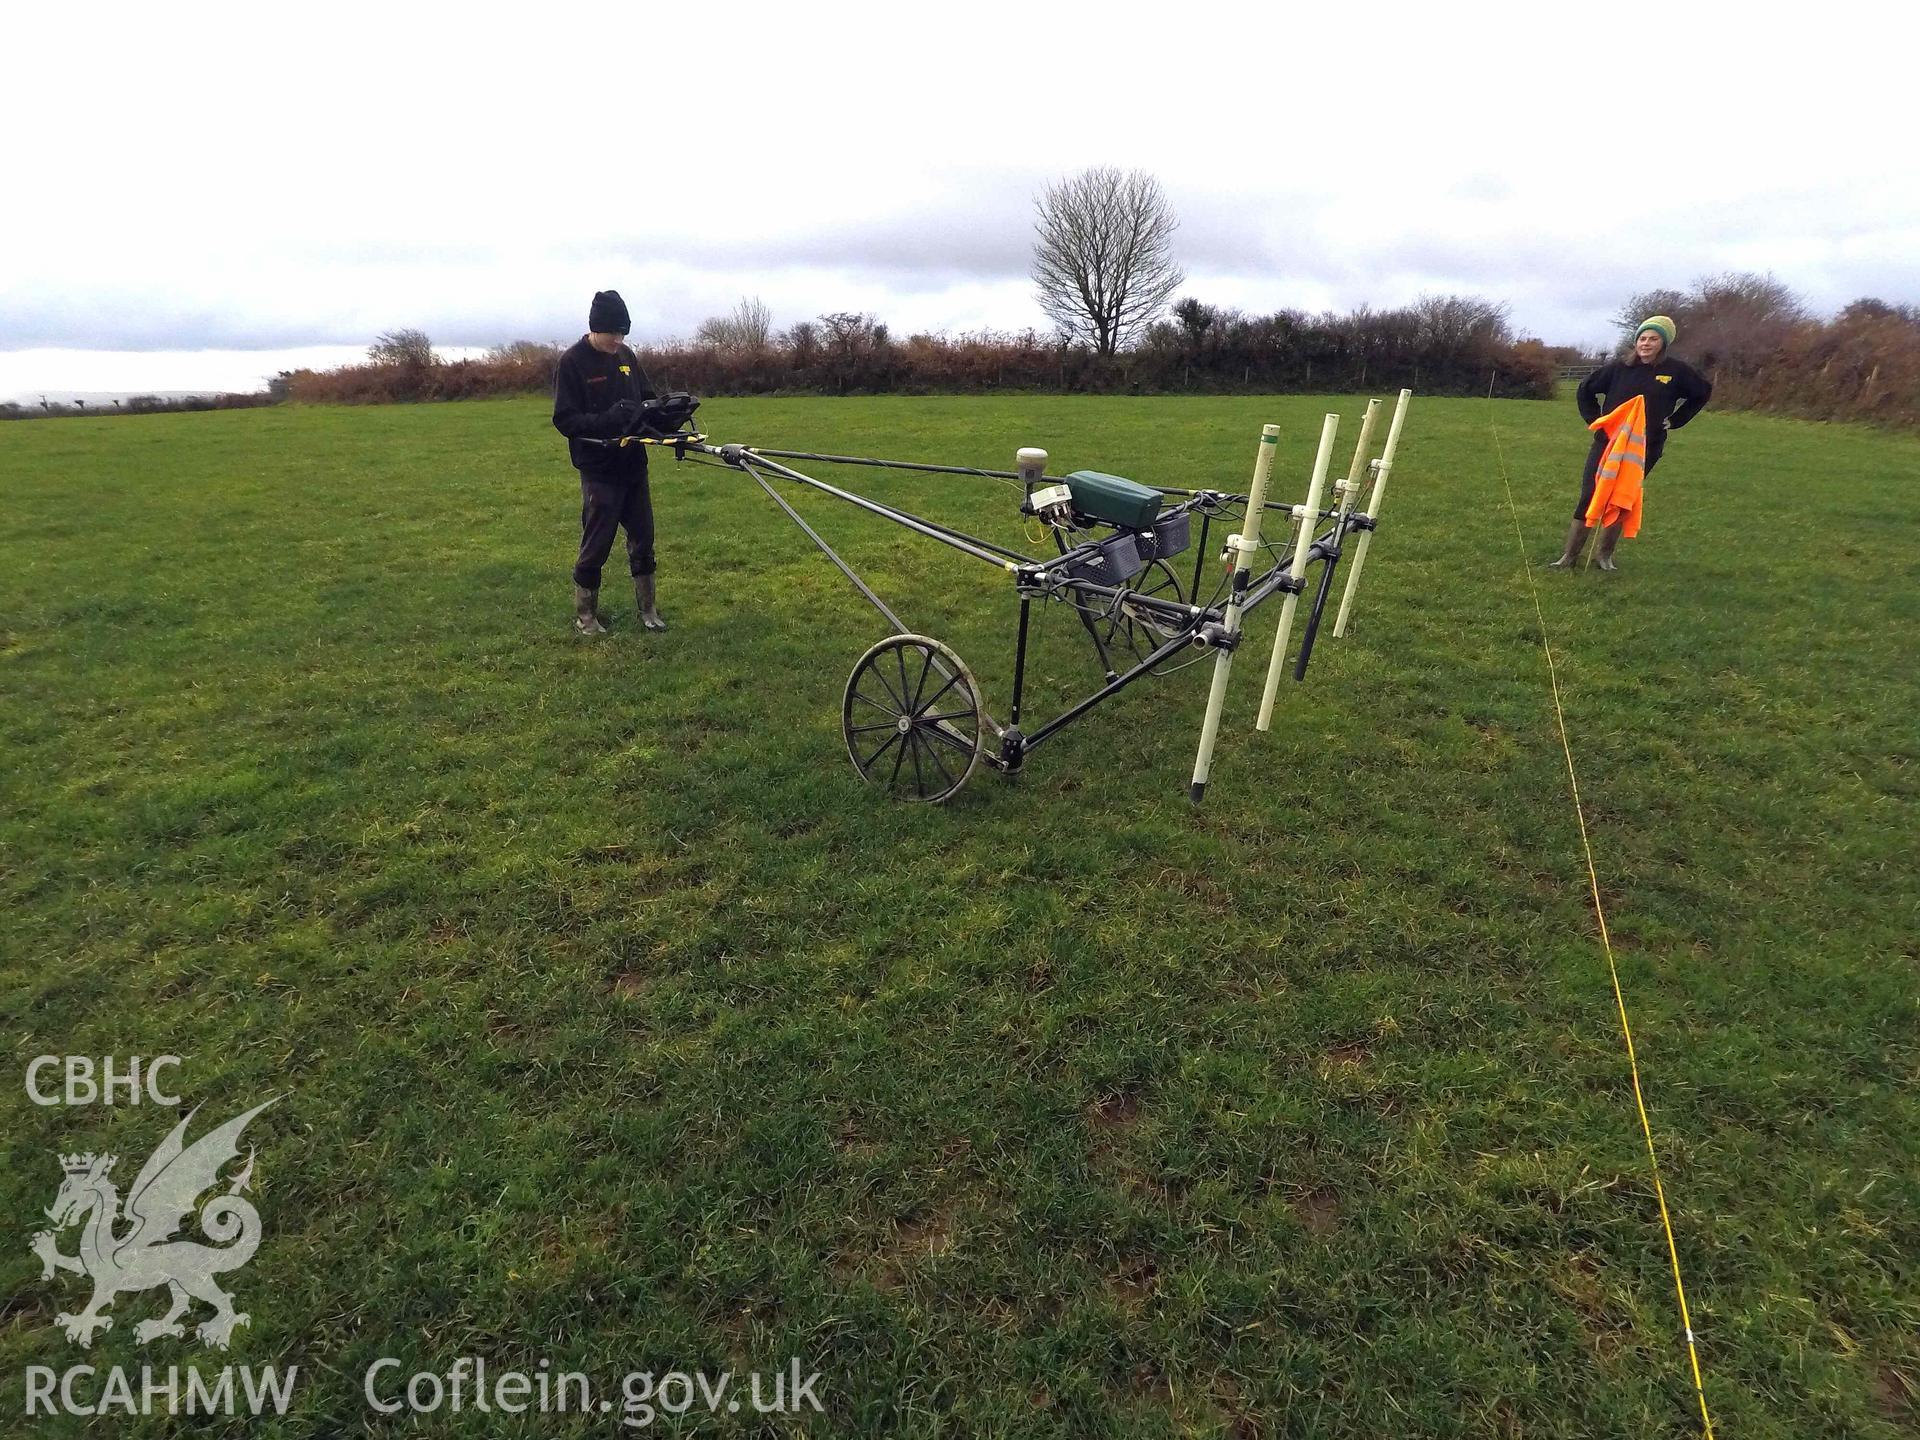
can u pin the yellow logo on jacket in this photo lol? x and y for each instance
(628, 370)
(1663, 379)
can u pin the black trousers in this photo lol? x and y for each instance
(606, 506)
(1591, 473)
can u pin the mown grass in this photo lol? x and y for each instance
(621, 1026)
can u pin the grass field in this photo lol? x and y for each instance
(620, 1026)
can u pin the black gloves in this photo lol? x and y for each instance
(619, 417)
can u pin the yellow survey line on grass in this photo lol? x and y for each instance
(1606, 941)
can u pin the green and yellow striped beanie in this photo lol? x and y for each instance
(1660, 325)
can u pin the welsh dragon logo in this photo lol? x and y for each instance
(132, 1246)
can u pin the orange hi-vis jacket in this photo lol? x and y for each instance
(1617, 484)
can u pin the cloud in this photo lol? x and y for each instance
(480, 180)
(917, 251)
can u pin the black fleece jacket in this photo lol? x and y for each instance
(586, 385)
(1674, 392)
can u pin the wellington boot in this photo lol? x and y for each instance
(1570, 553)
(1603, 552)
(585, 605)
(644, 601)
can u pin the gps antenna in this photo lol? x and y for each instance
(1032, 463)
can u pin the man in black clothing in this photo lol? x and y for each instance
(597, 391)
(1674, 392)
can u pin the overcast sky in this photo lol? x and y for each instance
(262, 177)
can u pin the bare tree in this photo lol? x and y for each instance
(749, 327)
(1674, 304)
(1196, 317)
(524, 352)
(1867, 307)
(852, 335)
(803, 342)
(402, 347)
(1103, 255)
(1450, 326)
(855, 352)
(1734, 318)
(1742, 317)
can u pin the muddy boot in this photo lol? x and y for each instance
(1603, 552)
(585, 602)
(1576, 542)
(643, 599)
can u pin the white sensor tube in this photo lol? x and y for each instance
(1373, 511)
(1245, 546)
(1302, 543)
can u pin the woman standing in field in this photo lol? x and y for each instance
(1674, 393)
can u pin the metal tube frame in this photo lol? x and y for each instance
(1196, 625)
(996, 555)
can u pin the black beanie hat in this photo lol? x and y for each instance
(609, 314)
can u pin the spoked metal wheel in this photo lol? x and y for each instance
(913, 719)
(1124, 634)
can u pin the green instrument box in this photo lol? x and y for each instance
(1113, 499)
